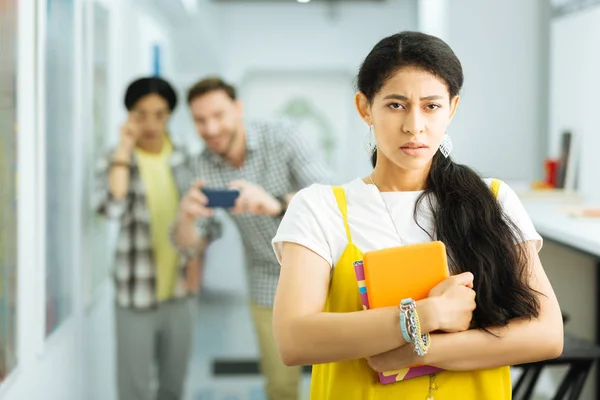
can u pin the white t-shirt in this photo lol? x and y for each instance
(314, 220)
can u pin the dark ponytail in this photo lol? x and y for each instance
(478, 236)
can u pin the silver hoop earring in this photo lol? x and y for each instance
(446, 146)
(370, 143)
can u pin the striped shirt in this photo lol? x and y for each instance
(134, 264)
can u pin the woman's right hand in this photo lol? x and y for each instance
(129, 135)
(455, 300)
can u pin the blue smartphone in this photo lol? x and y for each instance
(221, 198)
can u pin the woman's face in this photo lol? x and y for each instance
(409, 116)
(151, 113)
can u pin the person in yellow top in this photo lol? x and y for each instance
(139, 183)
(162, 199)
(495, 310)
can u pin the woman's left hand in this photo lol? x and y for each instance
(402, 357)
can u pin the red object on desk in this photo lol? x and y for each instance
(551, 167)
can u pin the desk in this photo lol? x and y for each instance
(579, 234)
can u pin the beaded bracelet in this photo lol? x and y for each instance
(421, 341)
(411, 327)
(405, 308)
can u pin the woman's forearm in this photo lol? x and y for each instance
(118, 177)
(520, 342)
(329, 337)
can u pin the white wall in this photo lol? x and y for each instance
(433, 17)
(501, 120)
(197, 53)
(313, 36)
(575, 85)
(199, 41)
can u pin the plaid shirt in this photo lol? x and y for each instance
(134, 269)
(280, 161)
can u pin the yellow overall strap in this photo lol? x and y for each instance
(495, 187)
(340, 198)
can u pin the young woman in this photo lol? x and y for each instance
(408, 92)
(139, 183)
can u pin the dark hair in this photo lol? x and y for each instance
(153, 85)
(478, 235)
(208, 85)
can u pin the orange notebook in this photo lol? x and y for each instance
(386, 277)
(406, 271)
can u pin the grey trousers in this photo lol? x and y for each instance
(155, 340)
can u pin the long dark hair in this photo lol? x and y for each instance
(478, 235)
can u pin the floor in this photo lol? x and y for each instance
(224, 331)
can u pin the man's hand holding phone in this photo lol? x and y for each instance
(194, 204)
(241, 197)
(254, 200)
(191, 207)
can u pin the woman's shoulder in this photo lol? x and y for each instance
(502, 190)
(492, 181)
(324, 195)
(313, 220)
(314, 191)
(515, 211)
(321, 202)
(316, 197)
